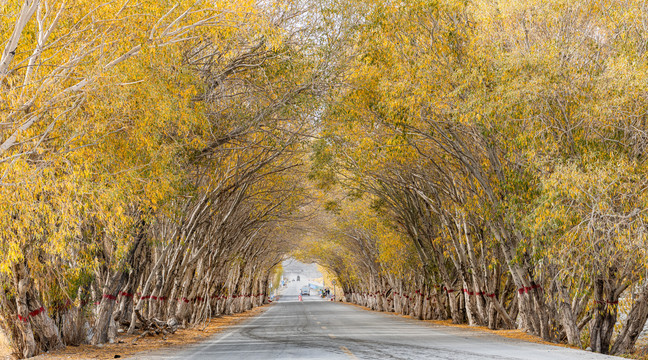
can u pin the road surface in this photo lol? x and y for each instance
(318, 329)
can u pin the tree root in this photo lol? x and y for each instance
(156, 327)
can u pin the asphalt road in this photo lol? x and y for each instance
(318, 329)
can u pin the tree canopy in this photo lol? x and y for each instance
(477, 161)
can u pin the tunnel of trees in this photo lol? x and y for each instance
(482, 162)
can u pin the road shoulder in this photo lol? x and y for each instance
(127, 346)
(510, 334)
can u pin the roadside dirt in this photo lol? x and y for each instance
(126, 346)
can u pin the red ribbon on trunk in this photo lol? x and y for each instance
(36, 312)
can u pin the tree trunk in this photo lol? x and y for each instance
(106, 307)
(633, 326)
(602, 326)
(568, 319)
(27, 343)
(44, 327)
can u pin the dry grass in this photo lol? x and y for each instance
(640, 353)
(127, 347)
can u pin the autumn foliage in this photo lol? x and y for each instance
(477, 161)
(489, 161)
(147, 155)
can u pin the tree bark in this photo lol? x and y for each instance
(634, 325)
